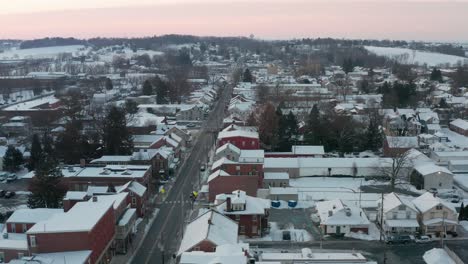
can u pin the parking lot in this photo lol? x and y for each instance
(20, 200)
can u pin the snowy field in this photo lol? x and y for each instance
(408, 56)
(41, 53)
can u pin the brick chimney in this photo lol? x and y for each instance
(228, 204)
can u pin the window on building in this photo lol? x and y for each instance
(243, 143)
(402, 207)
(13, 228)
(2, 257)
(237, 217)
(238, 168)
(32, 240)
(439, 207)
(25, 228)
(253, 143)
(196, 249)
(254, 218)
(242, 229)
(395, 215)
(134, 201)
(408, 215)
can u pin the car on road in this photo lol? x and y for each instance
(9, 195)
(11, 177)
(402, 239)
(2, 193)
(190, 125)
(202, 168)
(423, 239)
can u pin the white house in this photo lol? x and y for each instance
(339, 219)
(435, 215)
(397, 214)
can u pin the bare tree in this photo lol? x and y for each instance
(262, 92)
(396, 166)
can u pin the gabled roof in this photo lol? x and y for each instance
(393, 200)
(427, 201)
(133, 186)
(237, 133)
(429, 168)
(220, 162)
(211, 226)
(341, 214)
(228, 146)
(253, 205)
(217, 174)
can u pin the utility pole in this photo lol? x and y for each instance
(360, 192)
(381, 217)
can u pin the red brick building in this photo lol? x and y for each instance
(137, 196)
(23, 219)
(251, 213)
(239, 138)
(394, 146)
(221, 182)
(460, 126)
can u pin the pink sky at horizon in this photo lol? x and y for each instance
(434, 20)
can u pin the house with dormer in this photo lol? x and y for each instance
(397, 214)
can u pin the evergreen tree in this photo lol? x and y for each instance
(47, 145)
(465, 213)
(162, 91)
(443, 103)
(373, 134)
(70, 137)
(436, 75)
(348, 65)
(36, 152)
(313, 127)
(117, 139)
(108, 84)
(47, 189)
(247, 76)
(147, 88)
(13, 159)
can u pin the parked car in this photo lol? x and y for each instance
(452, 233)
(3, 176)
(398, 240)
(287, 235)
(11, 177)
(190, 125)
(10, 195)
(2, 193)
(423, 239)
(202, 168)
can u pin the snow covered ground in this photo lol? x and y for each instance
(276, 234)
(437, 256)
(41, 53)
(464, 224)
(409, 56)
(329, 188)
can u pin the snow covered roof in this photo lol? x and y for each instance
(76, 257)
(32, 104)
(74, 195)
(217, 174)
(228, 146)
(437, 256)
(32, 215)
(133, 186)
(251, 155)
(253, 205)
(334, 212)
(402, 142)
(226, 254)
(393, 200)
(93, 190)
(460, 123)
(283, 190)
(220, 162)
(211, 226)
(308, 150)
(112, 158)
(402, 223)
(325, 162)
(82, 217)
(237, 133)
(427, 201)
(276, 176)
(430, 168)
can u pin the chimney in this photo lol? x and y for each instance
(82, 163)
(95, 198)
(209, 222)
(330, 213)
(228, 204)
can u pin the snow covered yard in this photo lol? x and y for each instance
(276, 234)
(409, 56)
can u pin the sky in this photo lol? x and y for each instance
(429, 20)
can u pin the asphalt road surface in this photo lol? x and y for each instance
(165, 233)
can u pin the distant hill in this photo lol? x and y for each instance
(50, 42)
